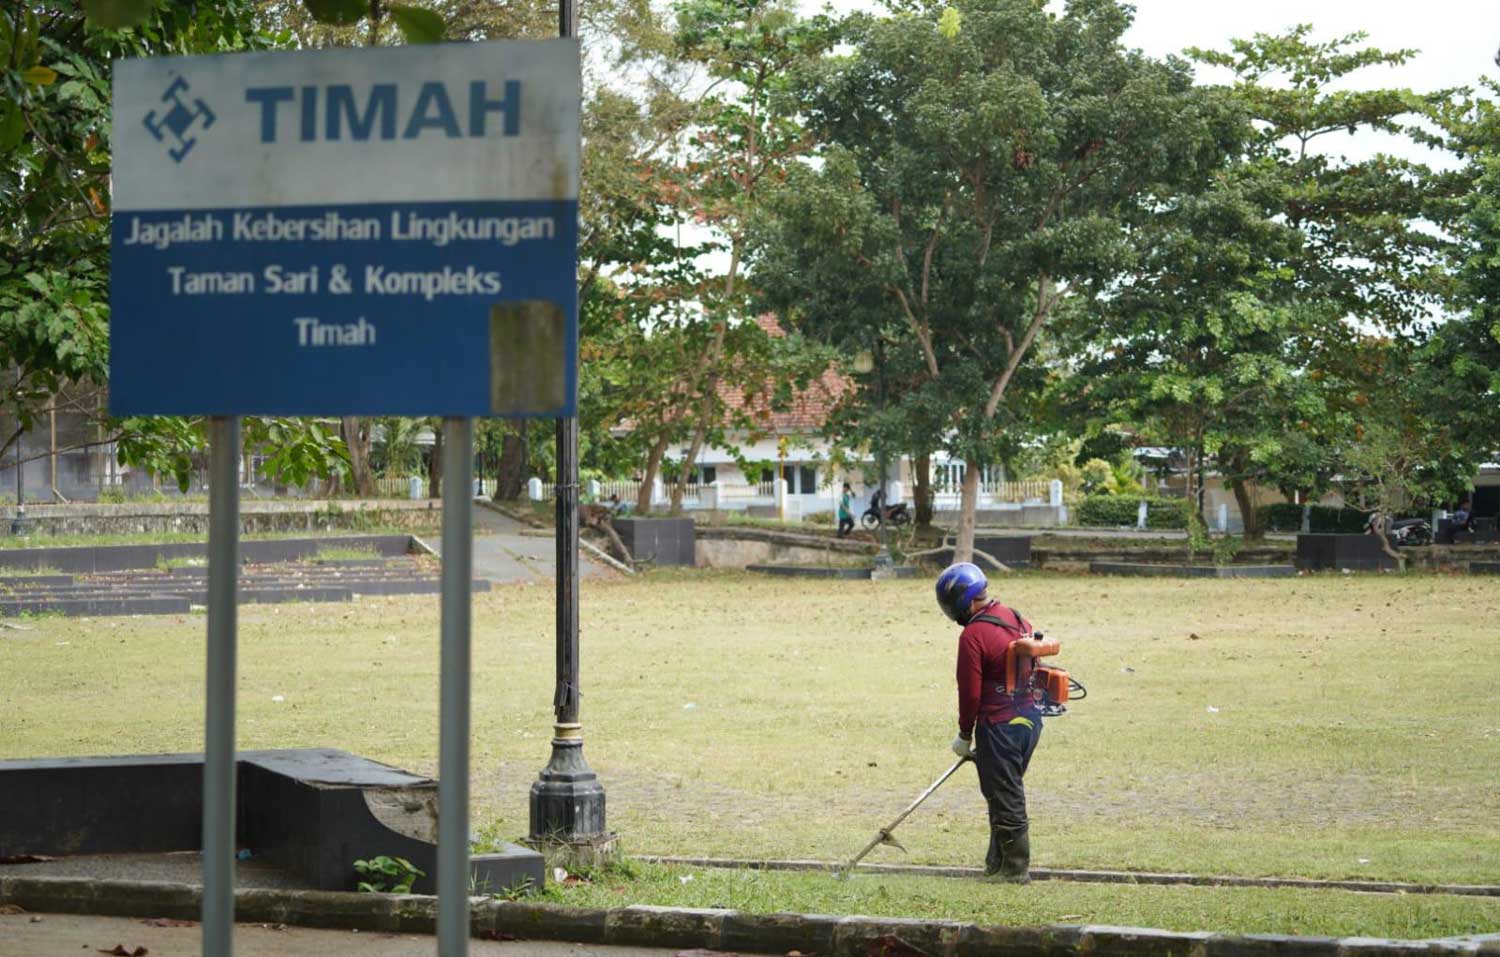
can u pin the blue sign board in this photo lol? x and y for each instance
(386, 231)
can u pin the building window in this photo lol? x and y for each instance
(800, 479)
(708, 474)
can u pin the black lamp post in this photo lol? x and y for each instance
(567, 800)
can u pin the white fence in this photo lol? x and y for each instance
(1035, 491)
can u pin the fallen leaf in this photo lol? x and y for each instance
(1194, 636)
(121, 951)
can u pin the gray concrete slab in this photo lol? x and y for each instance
(43, 935)
(503, 554)
(180, 867)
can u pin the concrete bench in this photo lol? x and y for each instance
(312, 811)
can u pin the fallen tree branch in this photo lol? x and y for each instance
(946, 547)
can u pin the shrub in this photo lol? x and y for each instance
(1114, 510)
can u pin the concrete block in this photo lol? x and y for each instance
(1058, 940)
(256, 905)
(777, 933)
(646, 926)
(417, 914)
(862, 936)
(1106, 941)
(52, 895)
(1154, 570)
(343, 910)
(148, 899)
(1330, 552)
(532, 921)
(1270, 945)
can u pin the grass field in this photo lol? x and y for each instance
(1321, 727)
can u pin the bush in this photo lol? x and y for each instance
(1286, 517)
(1114, 510)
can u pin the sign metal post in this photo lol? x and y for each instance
(218, 743)
(453, 720)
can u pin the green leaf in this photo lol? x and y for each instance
(39, 75)
(12, 125)
(950, 23)
(417, 25)
(117, 14)
(339, 13)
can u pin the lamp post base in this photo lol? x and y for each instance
(567, 806)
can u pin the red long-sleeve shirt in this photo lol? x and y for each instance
(981, 668)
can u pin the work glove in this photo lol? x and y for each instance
(962, 747)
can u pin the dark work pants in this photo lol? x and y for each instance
(846, 525)
(1002, 752)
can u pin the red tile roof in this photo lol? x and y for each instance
(809, 407)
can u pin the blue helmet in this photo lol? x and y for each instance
(957, 587)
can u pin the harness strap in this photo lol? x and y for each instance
(1011, 679)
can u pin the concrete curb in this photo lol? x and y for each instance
(1097, 877)
(719, 930)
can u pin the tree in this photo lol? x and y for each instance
(1467, 348)
(1403, 449)
(745, 133)
(1245, 294)
(979, 160)
(54, 217)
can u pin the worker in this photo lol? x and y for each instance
(999, 729)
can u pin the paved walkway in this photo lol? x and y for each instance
(46, 935)
(503, 554)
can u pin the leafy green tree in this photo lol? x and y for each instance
(54, 217)
(744, 134)
(1225, 337)
(1467, 348)
(981, 159)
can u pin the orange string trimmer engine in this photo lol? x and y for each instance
(1050, 686)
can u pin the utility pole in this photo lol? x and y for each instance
(567, 800)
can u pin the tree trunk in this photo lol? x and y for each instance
(356, 433)
(510, 479)
(921, 489)
(648, 478)
(679, 487)
(1249, 510)
(435, 463)
(963, 548)
(1378, 523)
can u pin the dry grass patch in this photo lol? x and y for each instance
(1329, 727)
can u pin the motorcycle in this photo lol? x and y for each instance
(894, 515)
(1407, 532)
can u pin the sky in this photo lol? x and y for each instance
(1457, 39)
